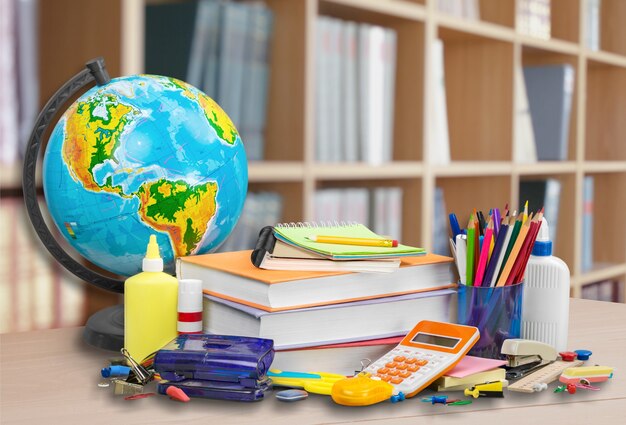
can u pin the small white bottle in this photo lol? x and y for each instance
(545, 306)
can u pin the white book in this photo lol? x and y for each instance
(344, 359)
(587, 223)
(438, 136)
(389, 59)
(551, 207)
(524, 147)
(335, 111)
(592, 31)
(322, 127)
(328, 324)
(350, 93)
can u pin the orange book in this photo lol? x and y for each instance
(232, 276)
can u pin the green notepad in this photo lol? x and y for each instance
(297, 235)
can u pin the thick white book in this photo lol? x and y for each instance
(328, 324)
(355, 205)
(438, 136)
(344, 359)
(335, 111)
(394, 212)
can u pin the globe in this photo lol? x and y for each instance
(143, 155)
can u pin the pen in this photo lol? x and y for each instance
(454, 226)
(341, 240)
(471, 246)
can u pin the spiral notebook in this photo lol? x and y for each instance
(297, 234)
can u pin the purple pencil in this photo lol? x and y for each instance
(496, 222)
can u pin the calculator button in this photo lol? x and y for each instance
(393, 373)
(396, 380)
(413, 368)
(401, 366)
(386, 378)
(404, 374)
(383, 370)
(390, 365)
(399, 359)
(422, 362)
(410, 360)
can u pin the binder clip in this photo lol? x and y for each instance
(138, 374)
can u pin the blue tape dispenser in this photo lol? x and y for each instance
(216, 366)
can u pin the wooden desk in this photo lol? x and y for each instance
(52, 376)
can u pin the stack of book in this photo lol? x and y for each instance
(320, 320)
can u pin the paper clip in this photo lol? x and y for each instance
(364, 363)
(141, 375)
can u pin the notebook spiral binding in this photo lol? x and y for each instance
(315, 224)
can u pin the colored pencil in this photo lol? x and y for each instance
(497, 222)
(454, 226)
(484, 255)
(508, 265)
(471, 243)
(493, 261)
(520, 261)
(525, 212)
(476, 241)
(508, 222)
(535, 232)
(509, 247)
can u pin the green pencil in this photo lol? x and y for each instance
(471, 241)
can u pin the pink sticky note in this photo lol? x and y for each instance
(470, 365)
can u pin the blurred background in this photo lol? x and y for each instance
(392, 113)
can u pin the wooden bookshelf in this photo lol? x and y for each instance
(480, 60)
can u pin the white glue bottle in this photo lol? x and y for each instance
(545, 306)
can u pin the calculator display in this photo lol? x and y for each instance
(442, 341)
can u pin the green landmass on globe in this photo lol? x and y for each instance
(155, 140)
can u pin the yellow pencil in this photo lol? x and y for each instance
(341, 240)
(525, 213)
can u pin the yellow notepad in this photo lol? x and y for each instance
(298, 235)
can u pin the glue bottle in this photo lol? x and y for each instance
(545, 306)
(150, 306)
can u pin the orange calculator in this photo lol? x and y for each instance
(426, 353)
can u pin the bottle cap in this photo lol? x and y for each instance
(152, 261)
(543, 244)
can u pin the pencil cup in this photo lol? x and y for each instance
(496, 312)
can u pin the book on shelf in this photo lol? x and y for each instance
(438, 136)
(259, 210)
(587, 223)
(232, 276)
(327, 324)
(592, 23)
(550, 91)
(302, 236)
(524, 146)
(468, 9)
(229, 61)
(607, 290)
(355, 87)
(273, 254)
(343, 358)
(533, 18)
(546, 194)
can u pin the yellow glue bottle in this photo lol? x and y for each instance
(150, 306)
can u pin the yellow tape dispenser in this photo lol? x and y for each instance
(362, 390)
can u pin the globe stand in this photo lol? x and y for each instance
(104, 329)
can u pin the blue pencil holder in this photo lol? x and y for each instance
(496, 312)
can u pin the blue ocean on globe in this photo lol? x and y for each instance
(144, 155)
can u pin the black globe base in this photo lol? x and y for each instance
(105, 329)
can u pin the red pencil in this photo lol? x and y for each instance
(521, 272)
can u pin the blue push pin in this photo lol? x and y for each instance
(583, 354)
